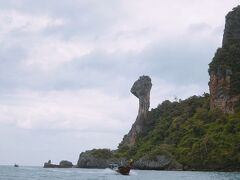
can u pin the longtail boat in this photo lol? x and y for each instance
(125, 170)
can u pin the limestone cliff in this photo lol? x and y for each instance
(224, 70)
(232, 26)
(141, 89)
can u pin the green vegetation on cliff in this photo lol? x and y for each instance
(190, 133)
(102, 153)
(227, 63)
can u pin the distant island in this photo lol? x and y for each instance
(199, 133)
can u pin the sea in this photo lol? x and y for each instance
(39, 173)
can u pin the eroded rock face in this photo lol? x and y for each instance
(50, 165)
(96, 158)
(141, 89)
(86, 161)
(224, 70)
(161, 162)
(219, 86)
(232, 26)
(66, 164)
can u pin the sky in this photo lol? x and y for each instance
(67, 68)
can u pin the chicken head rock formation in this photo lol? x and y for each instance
(141, 89)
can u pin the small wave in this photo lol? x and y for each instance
(133, 173)
(109, 171)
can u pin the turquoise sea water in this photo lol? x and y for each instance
(38, 173)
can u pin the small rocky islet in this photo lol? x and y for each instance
(62, 164)
(199, 133)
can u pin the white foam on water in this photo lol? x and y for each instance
(109, 171)
(133, 173)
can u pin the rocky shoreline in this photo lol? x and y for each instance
(161, 163)
(102, 158)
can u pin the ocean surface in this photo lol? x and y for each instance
(39, 173)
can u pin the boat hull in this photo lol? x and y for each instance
(124, 170)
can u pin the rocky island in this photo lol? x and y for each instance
(62, 164)
(199, 133)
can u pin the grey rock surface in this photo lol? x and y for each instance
(232, 26)
(50, 165)
(62, 164)
(224, 70)
(96, 158)
(141, 89)
(65, 164)
(160, 162)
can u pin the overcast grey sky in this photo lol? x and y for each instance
(67, 68)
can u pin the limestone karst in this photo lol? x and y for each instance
(190, 134)
(232, 26)
(141, 89)
(224, 70)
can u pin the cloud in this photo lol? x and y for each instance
(48, 53)
(13, 21)
(83, 110)
(86, 110)
(199, 27)
(73, 121)
(163, 90)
